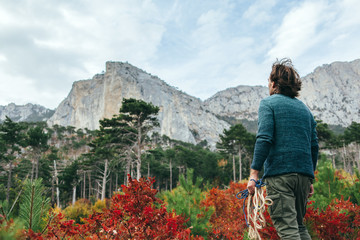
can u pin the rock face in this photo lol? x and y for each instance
(182, 117)
(332, 93)
(25, 113)
(241, 102)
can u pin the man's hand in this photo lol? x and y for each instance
(251, 187)
(311, 191)
(254, 174)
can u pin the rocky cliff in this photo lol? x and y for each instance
(25, 113)
(332, 93)
(181, 116)
(241, 102)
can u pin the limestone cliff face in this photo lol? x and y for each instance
(241, 102)
(25, 113)
(332, 93)
(181, 116)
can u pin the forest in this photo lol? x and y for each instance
(125, 181)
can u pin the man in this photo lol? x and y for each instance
(287, 146)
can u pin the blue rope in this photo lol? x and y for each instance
(245, 193)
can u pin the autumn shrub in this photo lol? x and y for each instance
(10, 230)
(81, 209)
(100, 205)
(340, 220)
(135, 214)
(228, 220)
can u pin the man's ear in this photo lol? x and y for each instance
(272, 84)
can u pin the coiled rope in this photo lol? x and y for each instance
(255, 219)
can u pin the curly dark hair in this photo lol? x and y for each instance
(286, 78)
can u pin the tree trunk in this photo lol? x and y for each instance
(9, 183)
(116, 182)
(74, 195)
(132, 170)
(57, 186)
(344, 156)
(358, 159)
(110, 187)
(127, 172)
(125, 178)
(53, 190)
(234, 169)
(103, 190)
(97, 189)
(84, 190)
(148, 173)
(240, 164)
(89, 175)
(32, 170)
(138, 163)
(170, 176)
(37, 167)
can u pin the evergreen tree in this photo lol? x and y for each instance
(12, 138)
(34, 205)
(186, 200)
(140, 117)
(237, 141)
(329, 184)
(37, 139)
(68, 180)
(352, 133)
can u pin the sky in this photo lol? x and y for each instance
(198, 46)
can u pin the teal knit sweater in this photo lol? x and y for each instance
(286, 141)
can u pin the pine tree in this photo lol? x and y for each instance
(186, 200)
(237, 141)
(37, 139)
(33, 205)
(12, 138)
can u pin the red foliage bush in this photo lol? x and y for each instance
(340, 220)
(228, 220)
(135, 214)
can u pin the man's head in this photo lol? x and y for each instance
(284, 79)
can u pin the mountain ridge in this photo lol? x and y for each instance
(331, 92)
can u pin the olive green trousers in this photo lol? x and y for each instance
(289, 193)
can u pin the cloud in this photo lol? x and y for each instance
(318, 32)
(218, 56)
(56, 44)
(260, 12)
(200, 47)
(299, 30)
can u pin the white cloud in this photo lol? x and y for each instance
(56, 44)
(260, 11)
(199, 46)
(318, 32)
(299, 30)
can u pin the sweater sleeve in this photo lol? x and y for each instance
(265, 135)
(314, 145)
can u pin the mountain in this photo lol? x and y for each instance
(239, 102)
(25, 113)
(181, 116)
(332, 93)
